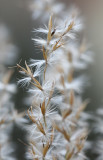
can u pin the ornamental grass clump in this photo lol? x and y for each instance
(59, 129)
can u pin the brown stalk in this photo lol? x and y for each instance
(43, 110)
(39, 125)
(45, 149)
(70, 75)
(7, 76)
(52, 136)
(50, 28)
(38, 86)
(67, 113)
(69, 154)
(30, 74)
(71, 98)
(81, 108)
(44, 54)
(2, 121)
(66, 135)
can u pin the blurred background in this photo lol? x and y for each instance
(17, 17)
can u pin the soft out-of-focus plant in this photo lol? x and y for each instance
(45, 7)
(8, 51)
(97, 131)
(8, 113)
(59, 128)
